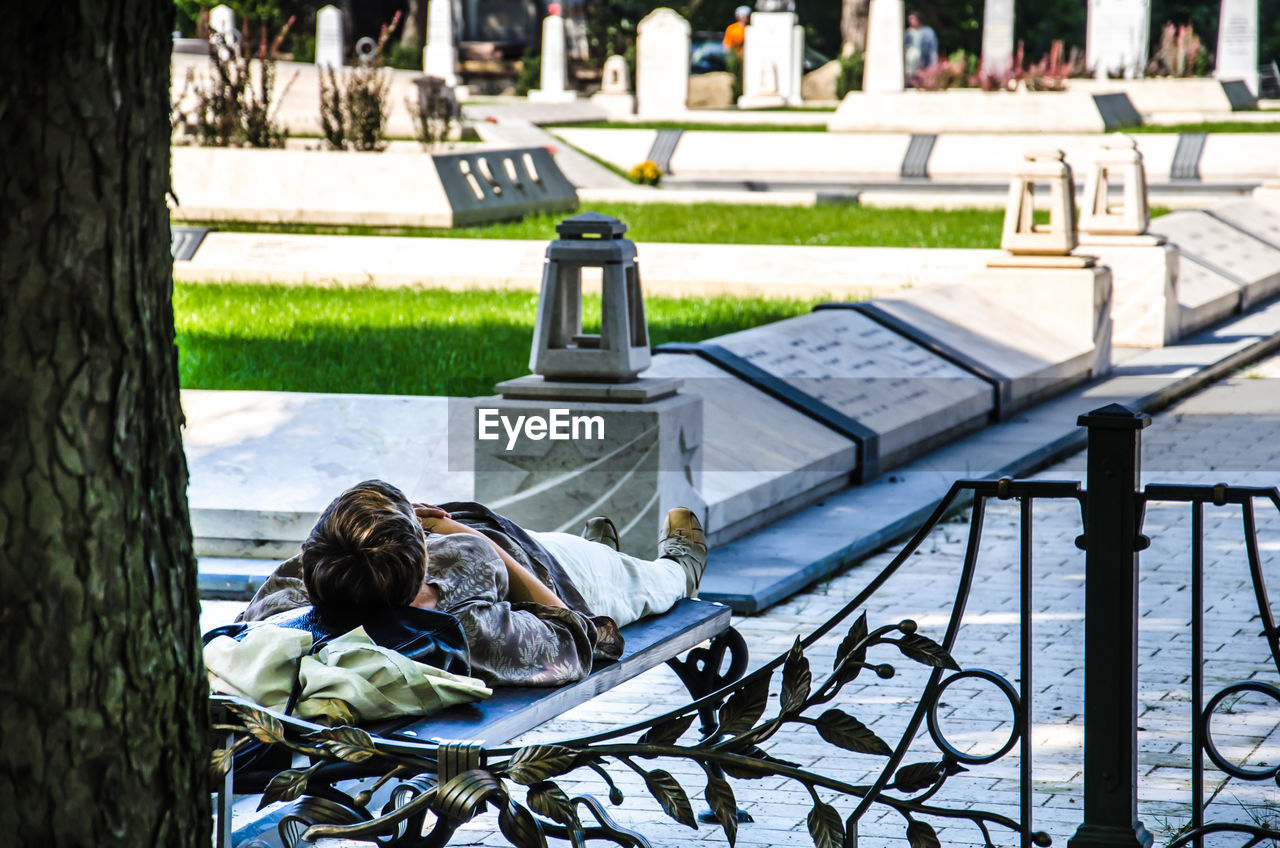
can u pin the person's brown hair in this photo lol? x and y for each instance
(366, 553)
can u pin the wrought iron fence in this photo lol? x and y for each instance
(423, 792)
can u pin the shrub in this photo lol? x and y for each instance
(530, 74)
(646, 173)
(851, 67)
(435, 110)
(233, 104)
(1180, 53)
(353, 107)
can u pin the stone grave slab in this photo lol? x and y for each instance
(910, 398)
(1205, 297)
(760, 456)
(1239, 157)
(1224, 249)
(264, 464)
(389, 189)
(1031, 358)
(1256, 217)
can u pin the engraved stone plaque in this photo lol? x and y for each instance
(1224, 247)
(1252, 216)
(912, 398)
(1035, 357)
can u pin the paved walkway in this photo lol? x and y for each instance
(1230, 432)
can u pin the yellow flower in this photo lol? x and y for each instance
(646, 173)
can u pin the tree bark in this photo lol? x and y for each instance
(853, 25)
(413, 32)
(103, 730)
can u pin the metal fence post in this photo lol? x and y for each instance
(1112, 520)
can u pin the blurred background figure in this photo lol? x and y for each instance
(736, 33)
(919, 48)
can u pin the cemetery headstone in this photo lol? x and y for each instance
(617, 76)
(554, 68)
(615, 88)
(772, 60)
(997, 36)
(1238, 42)
(883, 71)
(222, 24)
(662, 63)
(1117, 36)
(329, 41)
(440, 56)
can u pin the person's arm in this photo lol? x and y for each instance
(522, 584)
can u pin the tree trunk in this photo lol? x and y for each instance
(413, 32)
(853, 25)
(103, 731)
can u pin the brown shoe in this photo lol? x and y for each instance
(681, 539)
(600, 529)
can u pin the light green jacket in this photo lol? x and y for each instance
(348, 681)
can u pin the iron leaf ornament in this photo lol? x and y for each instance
(734, 747)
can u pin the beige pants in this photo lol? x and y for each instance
(618, 585)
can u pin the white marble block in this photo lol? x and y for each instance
(883, 71)
(997, 36)
(1238, 42)
(662, 64)
(1117, 37)
(1076, 301)
(1144, 275)
(555, 72)
(440, 56)
(629, 461)
(772, 61)
(329, 41)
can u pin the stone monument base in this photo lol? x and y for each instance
(765, 101)
(615, 105)
(630, 461)
(1144, 299)
(971, 110)
(539, 95)
(1078, 298)
(1173, 94)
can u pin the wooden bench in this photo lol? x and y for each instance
(508, 713)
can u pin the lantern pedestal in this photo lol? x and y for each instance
(554, 462)
(1072, 289)
(1144, 270)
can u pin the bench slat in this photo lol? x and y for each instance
(514, 710)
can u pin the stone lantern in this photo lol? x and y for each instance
(1119, 157)
(586, 434)
(1022, 236)
(561, 350)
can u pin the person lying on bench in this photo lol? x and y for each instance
(536, 608)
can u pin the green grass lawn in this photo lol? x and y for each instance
(725, 223)
(1211, 127)
(414, 342)
(695, 126)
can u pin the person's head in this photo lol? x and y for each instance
(366, 553)
(913, 19)
(742, 13)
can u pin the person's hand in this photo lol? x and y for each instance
(427, 511)
(444, 525)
